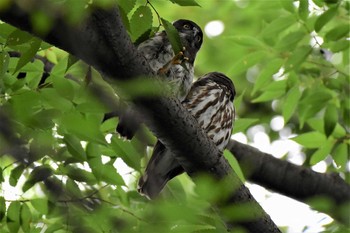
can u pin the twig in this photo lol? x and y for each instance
(158, 16)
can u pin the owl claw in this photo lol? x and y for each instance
(178, 59)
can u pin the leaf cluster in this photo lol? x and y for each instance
(66, 164)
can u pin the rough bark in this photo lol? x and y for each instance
(102, 42)
(291, 180)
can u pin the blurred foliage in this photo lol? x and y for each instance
(287, 58)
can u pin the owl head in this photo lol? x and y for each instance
(191, 36)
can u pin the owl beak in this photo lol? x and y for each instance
(197, 38)
(195, 32)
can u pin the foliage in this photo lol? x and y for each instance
(276, 52)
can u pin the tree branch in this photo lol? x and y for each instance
(103, 42)
(291, 180)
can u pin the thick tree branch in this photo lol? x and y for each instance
(289, 179)
(294, 181)
(103, 42)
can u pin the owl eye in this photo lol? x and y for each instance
(186, 26)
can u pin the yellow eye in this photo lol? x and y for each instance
(186, 26)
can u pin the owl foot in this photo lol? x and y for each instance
(178, 59)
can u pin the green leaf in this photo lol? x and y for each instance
(2, 208)
(93, 150)
(63, 86)
(85, 127)
(234, 164)
(339, 131)
(269, 95)
(330, 119)
(290, 41)
(72, 60)
(321, 203)
(247, 41)
(6, 30)
(312, 103)
(272, 91)
(241, 212)
(185, 2)
(325, 18)
(141, 21)
(288, 5)
(265, 76)
(25, 217)
(297, 58)
(141, 87)
(24, 104)
(4, 63)
(13, 216)
(109, 174)
(247, 61)
(44, 118)
(316, 123)
(278, 25)
(340, 155)
(28, 55)
(173, 36)
(241, 124)
(312, 139)
(74, 147)
(96, 166)
(340, 45)
(38, 174)
(127, 152)
(324, 150)
(238, 100)
(51, 98)
(109, 126)
(58, 71)
(41, 205)
(73, 189)
(79, 174)
(41, 22)
(126, 5)
(338, 32)
(18, 37)
(1, 176)
(291, 102)
(15, 174)
(319, 3)
(303, 9)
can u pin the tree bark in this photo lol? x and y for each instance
(291, 180)
(102, 42)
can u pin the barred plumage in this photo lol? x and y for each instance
(158, 52)
(210, 101)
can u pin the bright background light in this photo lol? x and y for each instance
(284, 211)
(214, 28)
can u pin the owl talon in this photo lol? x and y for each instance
(178, 59)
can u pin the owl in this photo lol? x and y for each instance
(210, 102)
(176, 69)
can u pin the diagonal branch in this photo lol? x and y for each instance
(103, 42)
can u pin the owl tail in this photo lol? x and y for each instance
(161, 168)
